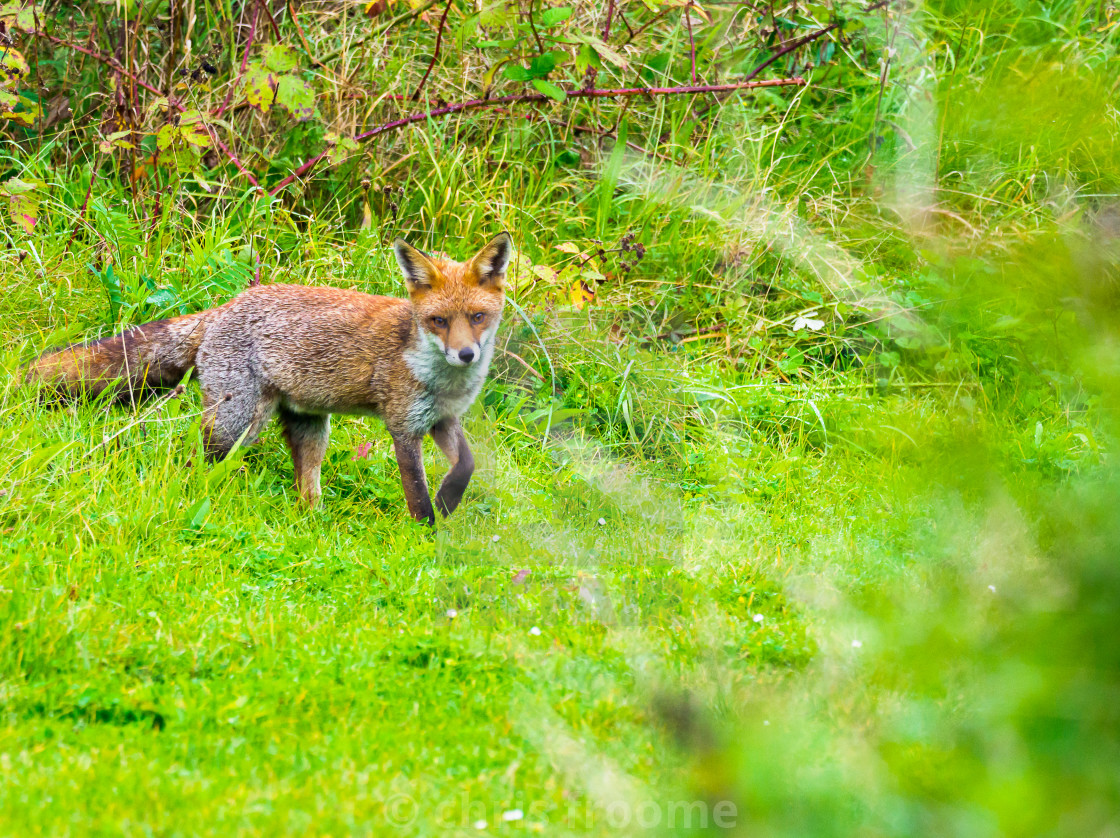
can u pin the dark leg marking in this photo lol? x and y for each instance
(448, 435)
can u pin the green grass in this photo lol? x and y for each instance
(849, 578)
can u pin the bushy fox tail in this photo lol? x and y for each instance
(147, 358)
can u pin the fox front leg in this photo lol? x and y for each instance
(410, 460)
(448, 435)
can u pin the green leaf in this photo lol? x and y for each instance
(19, 15)
(280, 58)
(297, 97)
(792, 362)
(24, 210)
(567, 157)
(605, 51)
(341, 147)
(180, 158)
(494, 14)
(196, 514)
(163, 298)
(515, 72)
(14, 186)
(585, 58)
(260, 88)
(112, 286)
(193, 130)
(545, 63)
(551, 17)
(166, 137)
(23, 201)
(550, 90)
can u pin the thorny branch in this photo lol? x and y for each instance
(593, 93)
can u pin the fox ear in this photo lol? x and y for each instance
(419, 272)
(491, 262)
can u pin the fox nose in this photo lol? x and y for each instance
(466, 355)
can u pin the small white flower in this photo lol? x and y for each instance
(758, 618)
(496, 539)
(513, 815)
(766, 722)
(480, 824)
(452, 613)
(536, 632)
(857, 644)
(808, 321)
(992, 588)
(602, 522)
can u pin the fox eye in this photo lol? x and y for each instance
(478, 317)
(439, 321)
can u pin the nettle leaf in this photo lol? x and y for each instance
(550, 90)
(280, 57)
(551, 17)
(260, 87)
(297, 97)
(178, 146)
(13, 67)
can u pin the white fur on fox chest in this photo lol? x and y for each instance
(447, 391)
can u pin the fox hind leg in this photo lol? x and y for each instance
(239, 413)
(307, 436)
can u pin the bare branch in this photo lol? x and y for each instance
(244, 59)
(435, 55)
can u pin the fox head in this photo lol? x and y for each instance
(457, 304)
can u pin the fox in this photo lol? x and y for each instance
(306, 352)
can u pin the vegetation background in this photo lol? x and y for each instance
(797, 483)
